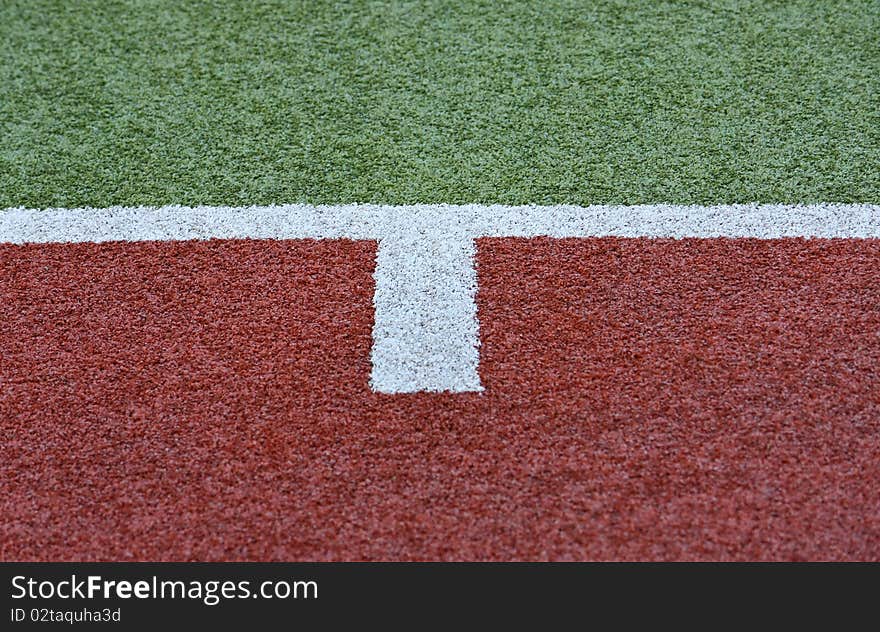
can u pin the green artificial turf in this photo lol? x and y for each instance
(158, 102)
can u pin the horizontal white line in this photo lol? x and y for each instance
(367, 221)
(426, 333)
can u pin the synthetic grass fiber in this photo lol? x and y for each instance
(166, 102)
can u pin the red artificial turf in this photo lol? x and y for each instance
(694, 399)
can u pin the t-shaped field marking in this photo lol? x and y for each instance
(426, 332)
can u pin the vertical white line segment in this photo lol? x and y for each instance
(425, 335)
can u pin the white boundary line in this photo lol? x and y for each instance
(426, 333)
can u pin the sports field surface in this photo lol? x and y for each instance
(439, 280)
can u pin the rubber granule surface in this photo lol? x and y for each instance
(644, 399)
